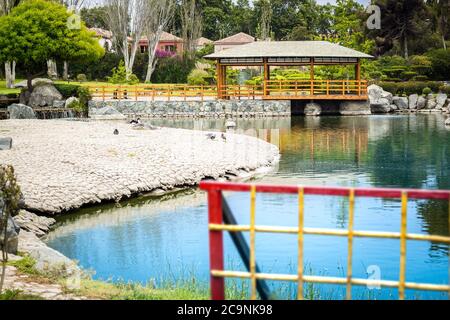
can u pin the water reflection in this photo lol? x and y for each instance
(144, 240)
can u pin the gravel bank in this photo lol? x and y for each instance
(62, 165)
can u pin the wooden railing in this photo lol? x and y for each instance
(271, 89)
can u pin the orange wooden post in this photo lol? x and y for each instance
(103, 92)
(266, 77)
(328, 87)
(168, 93)
(358, 76)
(135, 93)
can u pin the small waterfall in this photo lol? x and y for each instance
(55, 113)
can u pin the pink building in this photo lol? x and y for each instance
(168, 43)
(233, 41)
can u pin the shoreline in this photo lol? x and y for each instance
(65, 165)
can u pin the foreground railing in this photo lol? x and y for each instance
(221, 219)
(271, 89)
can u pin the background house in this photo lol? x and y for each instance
(233, 41)
(105, 38)
(200, 43)
(167, 43)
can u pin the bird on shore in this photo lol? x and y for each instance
(230, 124)
(224, 137)
(116, 132)
(211, 136)
(135, 121)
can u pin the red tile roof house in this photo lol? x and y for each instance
(104, 37)
(233, 41)
(168, 43)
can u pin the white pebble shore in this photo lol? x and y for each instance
(62, 165)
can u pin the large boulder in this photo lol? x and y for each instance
(441, 100)
(313, 109)
(380, 100)
(413, 101)
(105, 113)
(35, 82)
(401, 102)
(354, 108)
(44, 95)
(12, 232)
(20, 111)
(421, 103)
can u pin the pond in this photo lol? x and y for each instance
(149, 239)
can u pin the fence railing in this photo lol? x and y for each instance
(221, 219)
(271, 89)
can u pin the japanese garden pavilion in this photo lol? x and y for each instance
(265, 55)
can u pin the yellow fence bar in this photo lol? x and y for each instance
(301, 214)
(252, 242)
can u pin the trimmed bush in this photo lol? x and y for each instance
(67, 90)
(409, 87)
(197, 77)
(426, 91)
(81, 77)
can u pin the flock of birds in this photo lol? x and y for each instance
(137, 124)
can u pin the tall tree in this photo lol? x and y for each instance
(36, 31)
(441, 11)
(191, 24)
(160, 15)
(127, 20)
(264, 9)
(10, 66)
(402, 20)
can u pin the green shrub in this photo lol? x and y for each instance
(409, 87)
(440, 60)
(197, 77)
(81, 77)
(173, 70)
(426, 91)
(444, 89)
(420, 78)
(120, 75)
(67, 90)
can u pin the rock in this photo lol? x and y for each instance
(71, 100)
(421, 103)
(107, 112)
(413, 101)
(313, 109)
(441, 100)
(47, 259)
(34, 82)
(354, 108)
(380, 100)
(44, 95)
(431, 102)
(12, 232)
(5, 143)
(59, 104)
(447, 122)
(31, 222)
(381, 108)
(20, 111)
(401, 102)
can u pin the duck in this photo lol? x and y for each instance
(224, 137)
(211, 136)
(116, 132)
(135, 121)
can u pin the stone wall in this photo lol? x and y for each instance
(194, 109)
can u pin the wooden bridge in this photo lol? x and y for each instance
(268, 90)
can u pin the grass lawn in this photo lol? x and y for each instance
(4, 90)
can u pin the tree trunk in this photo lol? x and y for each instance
(30, 82)
(66, 71)
(10, 74)
(52, 70)
(443, 43)
(405, 42)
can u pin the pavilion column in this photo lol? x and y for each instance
(266, 77)
(219, 79)
(358, 76)
(224, 82)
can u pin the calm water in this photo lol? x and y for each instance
(148, 239)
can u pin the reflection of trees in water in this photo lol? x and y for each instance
(416, 156)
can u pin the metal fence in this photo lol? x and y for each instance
(219, 221)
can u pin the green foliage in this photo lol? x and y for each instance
(120, 75)
(17, 295)
(25, 265)
(67, 90)
(9, 192)
(197, 77)
(81, 77)
(173, 70)
(207, 49)
(100, 70)
(409, 87)
(41, 27)
(444, 89)
(426, 91)
(440, 61)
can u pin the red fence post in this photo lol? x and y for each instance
(216, 244)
